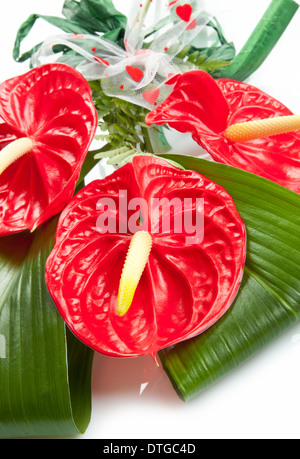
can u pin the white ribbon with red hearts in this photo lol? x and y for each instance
(139, 72)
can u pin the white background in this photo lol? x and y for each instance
(132, 398)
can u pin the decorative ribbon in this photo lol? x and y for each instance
(139, 72)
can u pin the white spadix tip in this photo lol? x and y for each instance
(14, 151)
(135, 263)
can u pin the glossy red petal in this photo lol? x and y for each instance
(84, 269)
(51, 104)
(7, 134)
(195, 105)
(276, 158)
(212, 262)
(184, 288)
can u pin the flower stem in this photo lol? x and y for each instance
(143, 12)
(146, 140)
(263, 39)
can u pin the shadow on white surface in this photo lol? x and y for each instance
(134, 399)
(133, 377)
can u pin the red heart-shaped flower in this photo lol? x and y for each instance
(184, 289)
(207, 107)
(52, 106)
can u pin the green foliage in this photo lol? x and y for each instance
(94, 15)
(214, 58)
(100, 16)
(268, 302)
(83, 17)
(262, 41)
(45, 384)
(122, 121)
(124, 130)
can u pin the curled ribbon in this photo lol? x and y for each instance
(139, 72)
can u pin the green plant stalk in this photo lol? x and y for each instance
(262, 41)
(143, 13)
(147, 141)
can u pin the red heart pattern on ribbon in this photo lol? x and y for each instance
(184, 12)
(135, 73)
(152, 95)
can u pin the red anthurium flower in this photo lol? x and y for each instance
(47, 122)
(128, 281)
(212, 111)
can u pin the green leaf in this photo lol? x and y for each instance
(45, 384)
(214, 58)
(84, 17)
(97, 15)
(268, 302)
(263, 39)
(215, 61)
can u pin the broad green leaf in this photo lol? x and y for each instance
(97, 15)
(262, 40)
(45, 384)
(63, 24)
(268, 302)
(84, 17)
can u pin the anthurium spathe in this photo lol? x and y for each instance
(126, 284)
(47, 122)
(238, 124)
